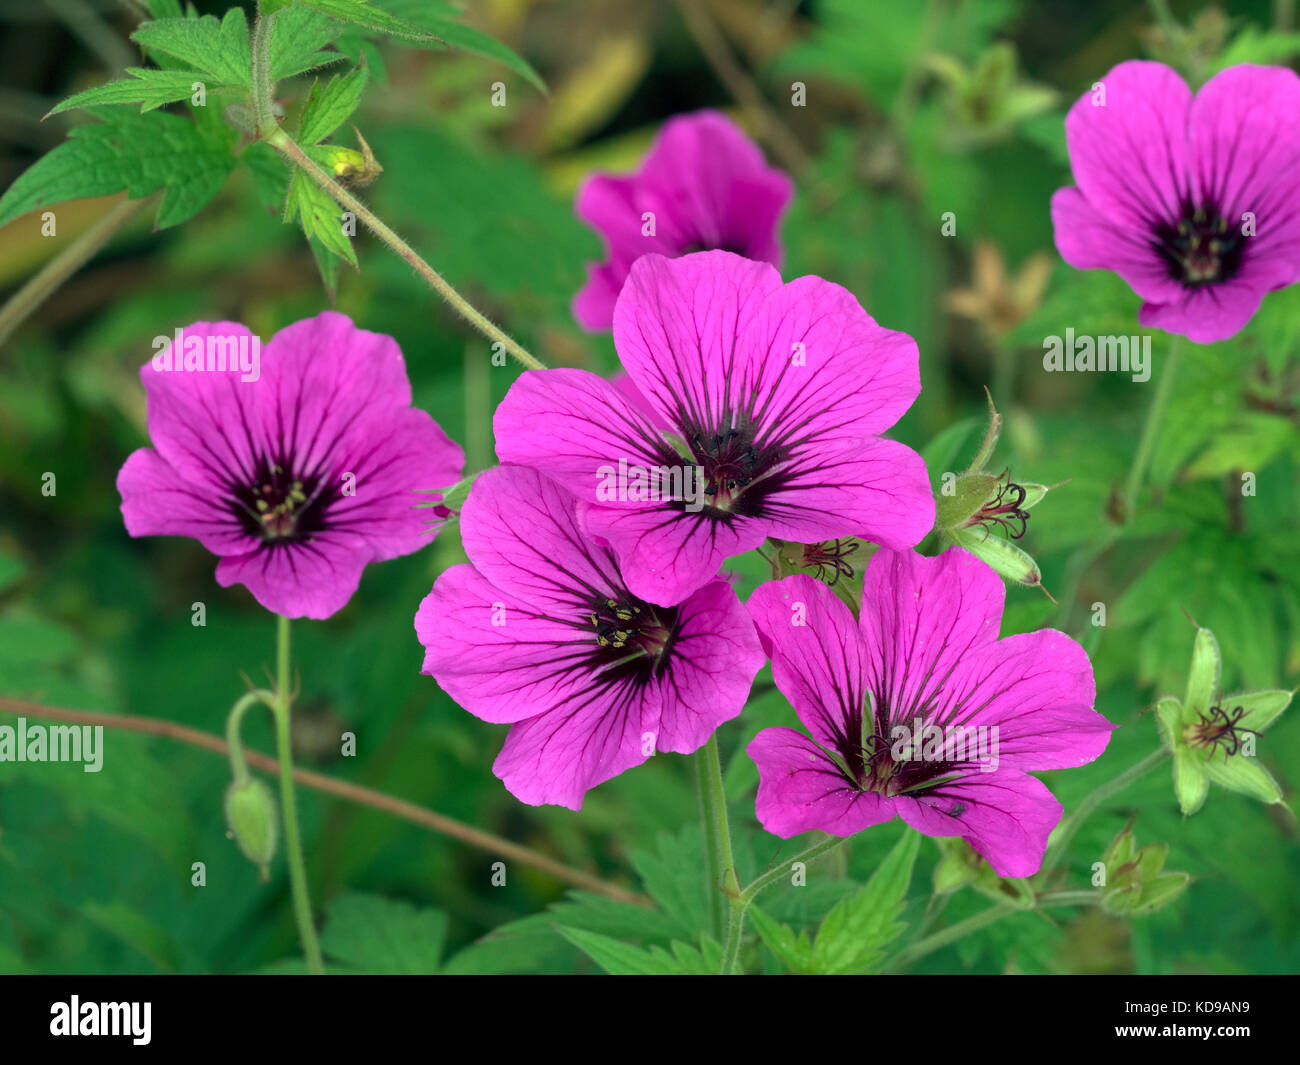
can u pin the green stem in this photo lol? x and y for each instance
(722, 867)
(235, 722)
(292, 837)
(285, 144)
(741, 900)
(1151, 430)
(1075, 821)
(713, 871)
(947, 936)
(23, 302)
(806, 855)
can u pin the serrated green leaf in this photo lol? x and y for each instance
(328, 108)
(270, 175)
(444, 21)
(616, 957)
(622, 959)
(319, 214)
(672, 875)
(146, 87)
(856, 931)
(364, 14)
(140, 153)
(298, 39)
(219, 48)
(388, 936)
(794, 951)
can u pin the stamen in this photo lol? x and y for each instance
(1004, 509)
(1199, 249)
(1219, 730)
(830, 557)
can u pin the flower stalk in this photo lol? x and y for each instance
(289, 802)
(269, 130)
(723, 882)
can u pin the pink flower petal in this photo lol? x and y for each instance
(1130, 155)
(801, 790)
(1006, 816)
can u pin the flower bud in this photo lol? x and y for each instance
(253, 821)
(1135, 882)
(961, 866)
(349, 166)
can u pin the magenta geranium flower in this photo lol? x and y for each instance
(773, 396)
(704, 185)
(296, 470)
(540, 632)
(920, 710)
(1192, 200)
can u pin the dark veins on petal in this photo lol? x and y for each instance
(861, 750)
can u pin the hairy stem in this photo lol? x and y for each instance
(740, 902)
(947, 936)
(362, 796)
(776, 873)
(263, 86)
(23, 302)
(289, 802)
(285, 144)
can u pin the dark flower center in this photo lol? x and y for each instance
(280, 506)
(633, 636)
(1219, 730)
(1201, 247)
(874, 768)
(731, 462)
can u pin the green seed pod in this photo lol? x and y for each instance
(253, 821)
(1008, 560)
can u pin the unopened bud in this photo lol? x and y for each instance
(253, 821)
